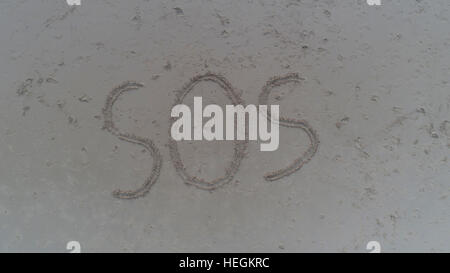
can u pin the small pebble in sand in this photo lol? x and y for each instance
(85, 98)
(178, 11)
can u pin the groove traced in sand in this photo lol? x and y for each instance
(239, 146)
(291, 123)
(145, 142)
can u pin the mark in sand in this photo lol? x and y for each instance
(290, 123)
(239, 146)
(145, 142)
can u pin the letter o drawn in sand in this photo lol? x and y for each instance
(145, 142)
(239, 146)
(291, 123)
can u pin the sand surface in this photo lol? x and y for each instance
(375, 87)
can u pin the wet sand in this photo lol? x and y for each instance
(373, 83)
